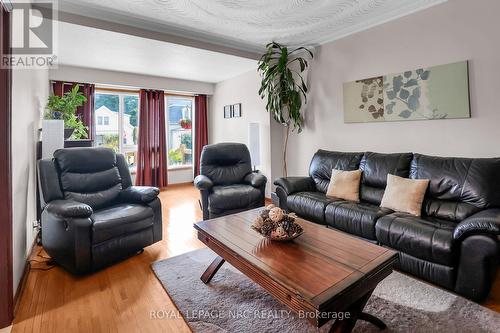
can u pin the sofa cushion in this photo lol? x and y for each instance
(310, 205)
(344, 185)
(119, 220)
(426, 238)
(323, 162)
(441, 275)
(233, 197)
(404, 195)
(448, 209)
(376, 167)
(355, 218)
(465, 181)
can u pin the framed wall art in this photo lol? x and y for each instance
(227, 111)
(438, 92)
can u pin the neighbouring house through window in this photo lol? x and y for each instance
(117, 123)
(179, 119)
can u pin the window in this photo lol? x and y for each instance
(117, 123)
(179, 131)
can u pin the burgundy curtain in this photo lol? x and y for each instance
(200, 130)
(84, 112)
(152, 147)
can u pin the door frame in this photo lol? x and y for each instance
(6, 284)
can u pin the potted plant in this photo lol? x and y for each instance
(175, 156)
(284, 87)
(185, 123)
(64, 108)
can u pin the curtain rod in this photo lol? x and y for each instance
(134, 91)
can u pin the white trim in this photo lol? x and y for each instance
(193, 120)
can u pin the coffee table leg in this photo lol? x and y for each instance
(372, 319)
(212, 269)
(356, 311)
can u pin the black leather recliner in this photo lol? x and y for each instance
(226, 182)
(92, 216)
(454, 243)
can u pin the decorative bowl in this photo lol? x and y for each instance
(276, 225)
(285, 239)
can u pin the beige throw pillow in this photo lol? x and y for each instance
(404, 195)
(344, 185)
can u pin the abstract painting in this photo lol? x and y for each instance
(438, 92)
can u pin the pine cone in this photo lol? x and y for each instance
(257, 224)
(267, 227)
(287, 225)
(281, 232)
(276, 214)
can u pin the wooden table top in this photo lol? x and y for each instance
(314, 268)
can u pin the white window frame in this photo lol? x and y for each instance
(193, 120)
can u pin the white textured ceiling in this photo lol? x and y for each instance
(250, 24)
(101, 49)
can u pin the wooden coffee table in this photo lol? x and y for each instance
(322, 273)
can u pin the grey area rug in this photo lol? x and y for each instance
(233, 303)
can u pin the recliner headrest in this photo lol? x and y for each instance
(78, 159)
(225, 154)
(225, 163)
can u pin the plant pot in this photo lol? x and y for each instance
(68, 132)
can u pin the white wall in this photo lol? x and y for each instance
(105, 77)
(180, 176)
(241, 89)
(29, 96)
(454, 31)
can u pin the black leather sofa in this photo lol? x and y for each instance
(92, 216)
(226, 182)
(454, 244)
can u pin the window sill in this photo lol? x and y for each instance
(180, 167)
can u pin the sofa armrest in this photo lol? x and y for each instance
(69, 209)
(483, 222)
(255, 179)
(203, 183)
(139, 194)
(295, 184)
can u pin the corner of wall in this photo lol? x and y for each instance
(30, 90)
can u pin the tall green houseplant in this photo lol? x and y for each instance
(64, 107)
(284, 87)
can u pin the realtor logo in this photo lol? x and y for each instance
(32, 29)
(33, 35)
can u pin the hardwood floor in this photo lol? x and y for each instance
(121, 298)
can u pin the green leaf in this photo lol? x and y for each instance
(282, 86)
